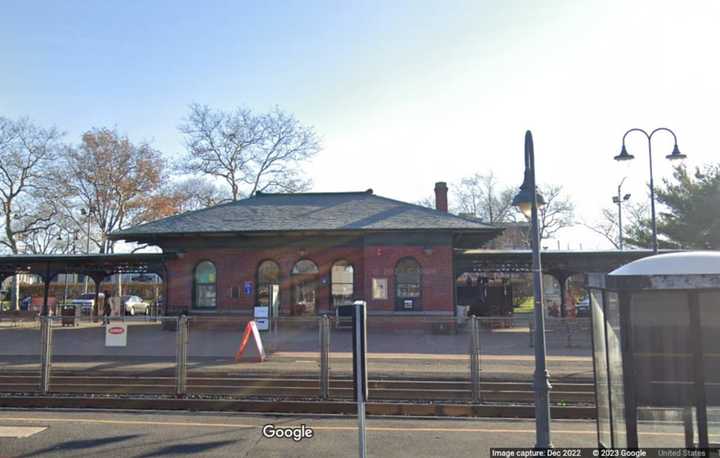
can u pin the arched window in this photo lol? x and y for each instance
(204, 285)
(408, 275)
(341, 279)
(268, 283)
(304, 287)
(304, 266)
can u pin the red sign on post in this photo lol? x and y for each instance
(251, 328)
(116, 335)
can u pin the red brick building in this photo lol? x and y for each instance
(306, 253)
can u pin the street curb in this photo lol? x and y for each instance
(298, 407)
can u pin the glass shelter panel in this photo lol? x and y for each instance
(663, 366)
(601, 369)
(615, 368)
(709, 303)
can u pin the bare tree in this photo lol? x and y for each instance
(197, 193)
(118, 182)
(27, 153)
(608, 224)
(483, 197)
(250, 152)
(427, 202)
(53, 238)
(557, 213)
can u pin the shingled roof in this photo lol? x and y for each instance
(342, 211)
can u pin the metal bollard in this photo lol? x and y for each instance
(45, 353)
(324, 357)
(475, 358)
(181, 355)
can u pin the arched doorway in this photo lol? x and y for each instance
(304, 287)
(268, 286)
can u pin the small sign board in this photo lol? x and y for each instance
(261, 317)
(248, 288)
(251, 329)
(116, 335)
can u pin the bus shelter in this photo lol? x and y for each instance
(656, 351)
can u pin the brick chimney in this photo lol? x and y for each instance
(441, 201)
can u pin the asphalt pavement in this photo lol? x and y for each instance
(87, 433)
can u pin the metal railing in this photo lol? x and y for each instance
(409, 357)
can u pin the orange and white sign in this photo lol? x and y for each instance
(116, 335)
(251, 328)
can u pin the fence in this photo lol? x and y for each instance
(410, 358)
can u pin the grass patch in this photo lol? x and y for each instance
(527, 306)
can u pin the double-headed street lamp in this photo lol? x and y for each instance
(619, 200)
(676, 154)
(528, 200)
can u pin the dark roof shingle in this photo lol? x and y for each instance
(306, 212)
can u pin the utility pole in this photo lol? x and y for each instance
(619, 201)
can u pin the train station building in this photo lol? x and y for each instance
(306, 253)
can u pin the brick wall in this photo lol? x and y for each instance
(235, 266)
(436, 280)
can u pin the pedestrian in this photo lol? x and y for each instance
(106, 307)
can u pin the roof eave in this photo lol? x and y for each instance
(144, 237)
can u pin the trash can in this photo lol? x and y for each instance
(68, 314)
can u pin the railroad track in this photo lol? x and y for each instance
(291, 387)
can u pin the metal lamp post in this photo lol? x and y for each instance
(87, 213)
(528, 200)
(619, 201)
(676, 154)
(65, 274)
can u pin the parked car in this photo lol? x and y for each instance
(582, 309)
(87, 301)
(134, 305)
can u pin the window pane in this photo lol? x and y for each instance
(408, 290)
(341, 288)
(268, 272)
(407, 279)
(407, 266)
(663, 365)
(615, 369)
(710, 323)
(342, 272)
(601, 369)
(205, 272)
(205, 296)
(305, 266)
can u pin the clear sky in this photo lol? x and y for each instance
(403, 93)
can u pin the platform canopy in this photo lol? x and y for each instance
(553, 262)
(97, 266)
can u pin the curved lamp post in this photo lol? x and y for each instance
(528, 200)
(676, 154)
